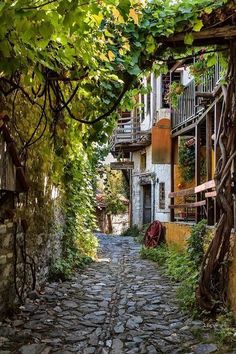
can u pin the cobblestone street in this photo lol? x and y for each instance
(120, 304)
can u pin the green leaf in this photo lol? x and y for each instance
(211, 60)
(150, 44)
(198, 26)
(208, 10)
(188, 39)
(135, 70)
(46, 30)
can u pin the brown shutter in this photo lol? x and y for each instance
(161, 142)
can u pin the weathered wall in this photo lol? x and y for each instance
(177, 234)
(120, 223)
(18, 248)
(157, 174)
(7, 292)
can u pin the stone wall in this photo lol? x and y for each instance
(7, 289)
(25, 259)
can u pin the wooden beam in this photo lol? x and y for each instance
(212, 35)
(209, 154)
(182, 193)
(205, 95)
(188, 205)
(210, 194)
(184, 130)
(209, 146)
(204, 186)
(174, 147)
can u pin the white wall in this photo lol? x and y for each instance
(156, 174)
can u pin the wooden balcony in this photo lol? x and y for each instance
(128, 136)
(195, 99)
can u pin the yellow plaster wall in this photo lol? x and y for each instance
(177, 234)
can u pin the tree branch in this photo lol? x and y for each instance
(129, 81)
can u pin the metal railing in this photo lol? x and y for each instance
(189, 105)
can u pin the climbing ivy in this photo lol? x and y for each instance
(186, 161)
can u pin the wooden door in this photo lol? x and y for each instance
(147, 208)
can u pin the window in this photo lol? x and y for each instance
(143, 162)
(162, 199)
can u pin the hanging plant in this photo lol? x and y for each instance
(187, 161)
(201, 68)
(176, 89)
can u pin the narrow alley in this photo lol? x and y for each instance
(120, 304)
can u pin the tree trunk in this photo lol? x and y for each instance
(211, 291)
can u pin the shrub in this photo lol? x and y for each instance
(131, 231)
(158, 255)
(182, 266)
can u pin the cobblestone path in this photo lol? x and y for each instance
(120, 304)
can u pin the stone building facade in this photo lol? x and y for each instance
(7, 287)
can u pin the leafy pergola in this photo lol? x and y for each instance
(78, 59)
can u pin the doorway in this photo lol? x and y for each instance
(147, 207)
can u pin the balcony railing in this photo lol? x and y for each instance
(189, 103)
(128, 135)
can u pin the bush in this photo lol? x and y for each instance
(136, 232)
(131, 231)
(158, 255)
(62, 269)
(182, 266)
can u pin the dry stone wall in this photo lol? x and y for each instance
(7, 289)
(25, 259)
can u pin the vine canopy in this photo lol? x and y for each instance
(83, 56)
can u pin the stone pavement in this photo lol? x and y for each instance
(120, 304)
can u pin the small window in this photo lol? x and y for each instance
(143, 162)
(162, 199)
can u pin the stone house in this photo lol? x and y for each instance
(12, 183)
(143, 137)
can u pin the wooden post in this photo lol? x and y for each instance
(197, 168)
(174, 147)
(209, 146)
(210, 203)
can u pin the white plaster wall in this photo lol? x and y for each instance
(160, 173)
(155, 99)
(186, 77)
